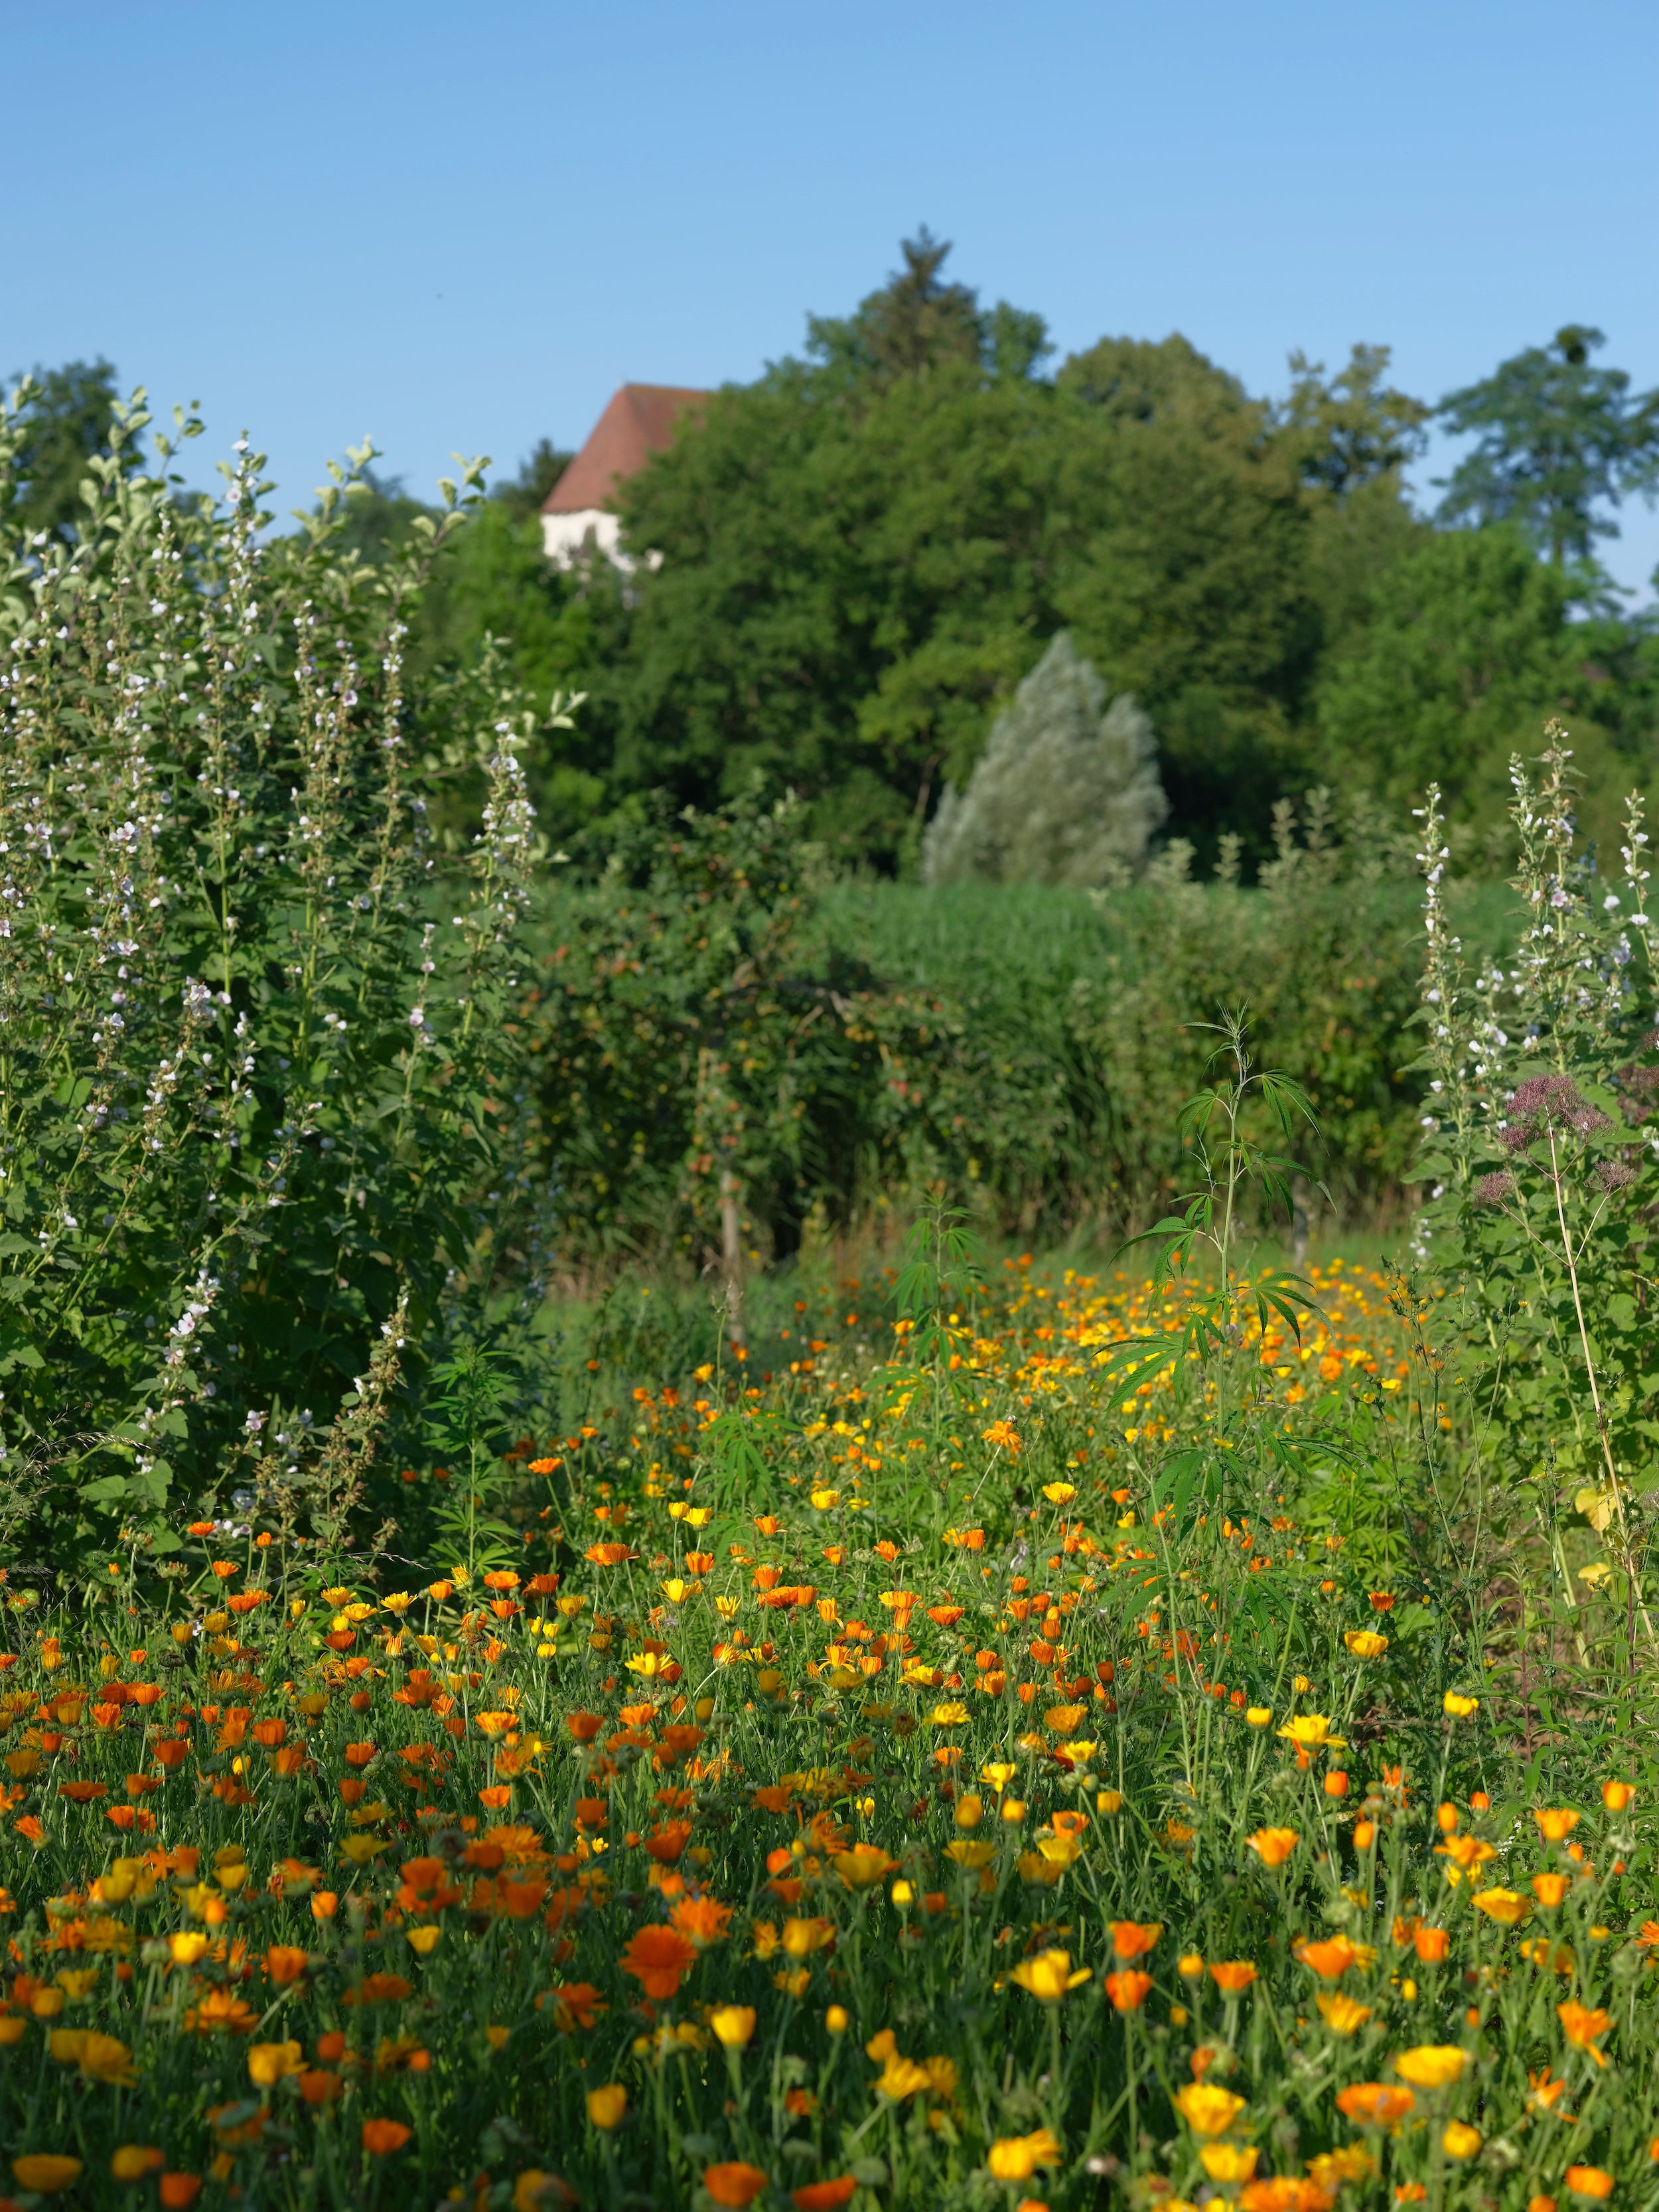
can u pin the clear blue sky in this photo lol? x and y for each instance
(461, 225)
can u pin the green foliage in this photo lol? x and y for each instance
(1065, 792)
(66, 417)
(861, 564)
(1353, 430)
(1471, 641)
(253, 1052)
(1024, 1051)
(1558, 441)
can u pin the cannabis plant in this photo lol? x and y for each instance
(254, 1043)
(1065, 792)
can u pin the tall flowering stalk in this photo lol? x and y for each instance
(255, 1045)
(1541, 1171)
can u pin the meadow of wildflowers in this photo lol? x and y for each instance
(929, 1773)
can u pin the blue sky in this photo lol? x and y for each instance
(462, 226)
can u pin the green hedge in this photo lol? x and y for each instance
(1026, 1048)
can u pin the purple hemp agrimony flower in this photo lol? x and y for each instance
(1493, 1189)
(1615, 1175)
(1544, 1099)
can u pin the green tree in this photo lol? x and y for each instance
(1353, 429)
(1472, 642)
(1353, 436)
(917, 321)
(851, 578)
(1557, 441)
(1065, 792)
(1179, 539)
(66, 416)
(523, 495)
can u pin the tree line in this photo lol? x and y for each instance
(867, 549)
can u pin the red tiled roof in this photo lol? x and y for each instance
(639, 422)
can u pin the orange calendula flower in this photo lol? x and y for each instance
(1583, 2026)
(1232, 1976)
(379, 1989)
(824, 2196)
(1285, 2193)
(1330, 1958)
(1272, 1846)
(733, 2182)
(1128, 1990)
(577, 2004)
(659, 1959)
(1131, 1939)
(381, 2137)
(703, 1920)
(1550, 1889)
(220, 2012)
(285, 1963)
(1466, 1852)
(1374, 2104)
(1591, 2181)
(1555, 1823)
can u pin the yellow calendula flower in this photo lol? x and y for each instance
(1207, 2109)
(1016, 2158)
(1060, 1493)
(1312, 1732)
(1342, 2015)
(948, 1716)
(268, 2064)
(1365, 1643)
(1227, 2163)
(1050, 1976)
(733, 2025)
(1506, 1907)
(1458, 1707)
(1431, 2065)
(607, 2106)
